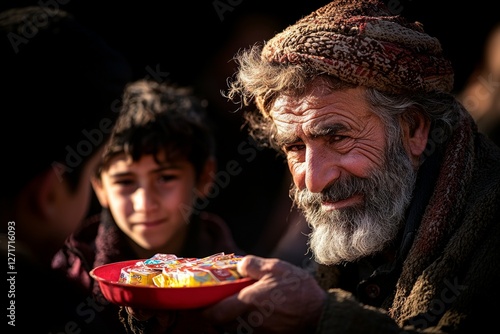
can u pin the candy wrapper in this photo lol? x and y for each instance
(170, 271)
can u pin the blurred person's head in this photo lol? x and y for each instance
(158, 166)
(481, 94)
(62, 85)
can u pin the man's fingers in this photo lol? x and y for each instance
(225, 310)
(246, 267)
(257, 267)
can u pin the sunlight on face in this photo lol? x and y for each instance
(151, 203)
(354, 232)
(352, 182)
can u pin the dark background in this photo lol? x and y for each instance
(183, 37)
(192, 42)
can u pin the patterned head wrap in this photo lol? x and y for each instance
(362, 43)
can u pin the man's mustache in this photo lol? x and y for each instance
(341, 189)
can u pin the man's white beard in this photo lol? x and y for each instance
(352, 233)
(338, 241)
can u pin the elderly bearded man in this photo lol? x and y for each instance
(401, 191)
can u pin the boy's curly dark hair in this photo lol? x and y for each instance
(161, 118)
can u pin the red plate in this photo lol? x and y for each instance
(160, 298)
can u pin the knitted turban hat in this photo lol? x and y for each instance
(361, 42)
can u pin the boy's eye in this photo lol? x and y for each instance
(124, 182)
(166, 178)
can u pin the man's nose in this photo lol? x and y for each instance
(321, 169)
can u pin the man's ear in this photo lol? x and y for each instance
(99, 191)
(206, 179)
(415, 131)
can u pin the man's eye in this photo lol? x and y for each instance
(293, 148)
(336, 138)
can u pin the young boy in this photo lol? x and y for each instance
(153, 183)
(60, 82)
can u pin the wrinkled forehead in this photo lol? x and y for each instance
(313, 114)
(317, 103)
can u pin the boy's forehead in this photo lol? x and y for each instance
(123, 160)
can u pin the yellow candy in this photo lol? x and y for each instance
(138, 275)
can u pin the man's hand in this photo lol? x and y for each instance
(285, 299)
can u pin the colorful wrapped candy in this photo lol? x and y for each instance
(167, 270)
